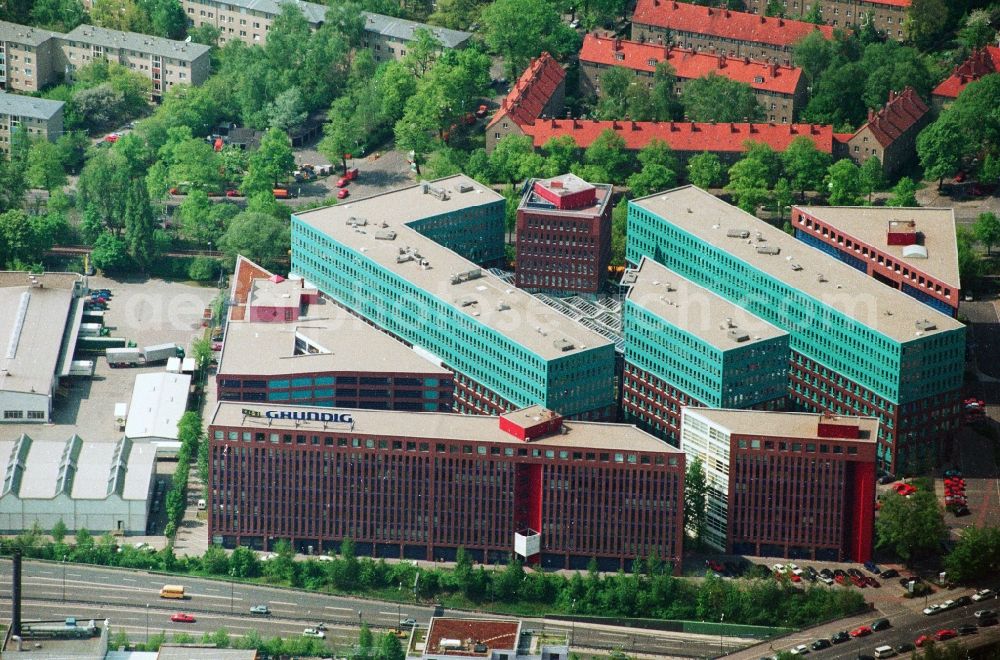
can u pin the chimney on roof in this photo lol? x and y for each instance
(635, 126)
(762, 19)
(871, 114)
(576, 124)
(710, 11)
(781, 22)
(722, 61)
(732, 127)
(675, 4)
(746, 60)
(892, 96)
(553, 123)
(727, 13)
(614, 124)
(792, 130)
(774, 69)
(618, 43)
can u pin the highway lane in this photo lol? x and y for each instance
(124, 596)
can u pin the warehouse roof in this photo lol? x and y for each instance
(438, 426)
(694, 309)
(36, 309)
(77, 469)
(403, 30)
(688, 64)
(377, 228)
(801, 267)
(143, 43)
(934, 229)
(784, 424)
(23, 34)
(725, 23)
(329, 339)
(158, 402)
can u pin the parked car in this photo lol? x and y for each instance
(881, 624)
(408, 623)
(987, 621)
(839, 637)
(891, 573)
(801, 649)
(985, 614)
(260, 609)
(342, 181)
(961, 601)
(983, 594)
(872, 568)
(872, 582)
(905, 647)
(343, 193)
(945, 633)
(182, 617)
(967, 629)
(820, 644)
(312, 632)
(861, 631)
(923, 640)
(933, 609)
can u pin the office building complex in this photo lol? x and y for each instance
(32, 58)
(858, 347)
(249, 21)
(795, 485)
(686, 346)
(888, 16)
(563, 235)
(910, 249)
(421, 485)
(37, 118)
(780, 89)
(285, 343)
(408, 261)
(720, 30)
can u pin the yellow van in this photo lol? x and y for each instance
(172, 591)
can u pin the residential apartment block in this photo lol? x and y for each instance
(28, 57)
(858, 347)
(285, 343)
(563, 235)
(910, 249)
(420, 485)
(722, 31)
(888, 16)
(780, 89)
(686, 346)
(982, 62)
(890, 134)
(250, 20)
(32, 59)
(794, 485)
(36, 117)
(410, 261)
(539, 93)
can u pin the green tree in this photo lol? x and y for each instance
(167, 18)
(455, 14)
(110, 254)
(59, 15)
(838, 96)
(561, 153)
(942, 146)
(783, 196)
(748, 183)
(987, 230)
(805, 165)
(25, 239)
(911, 527)
(343, 133)
(514, 160)
(814, 15)
(705, 170)
(271, 163)
(666, 105)
(904, 193)
(976, 555)
(215, 560)
(59, 531)
(775, 8)
(205, 34)
(287, 112)
(616, 83)
(390, 648)
(609, 153)
(139, 224)
(366, 643)
(970, 266)
(716, 98)
(261, 238)
(926, 20)
(619, 227)
(871, 176)
(650, 179)
(695, 500)
(518, 30)
(813, 53)
(415, 131)
(843, 183)
(977, 31)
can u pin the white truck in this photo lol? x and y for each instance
(124, 357)
(161, 352)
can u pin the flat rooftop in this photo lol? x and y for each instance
(870, 225)
(801, 267)
(567, 185)
(277, 291)
(439, 426)
(342, 342)
(694, 309)
(158, 402)
(785, 424)
(31, 328)
(485, 298)
(472, 638)
(143, 43)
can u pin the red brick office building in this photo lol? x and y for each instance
(796, 485)
(563, 235)
(420, 485)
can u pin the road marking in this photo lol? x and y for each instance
(331, 607)
(74, 575)
(608, 634)
(394, 613)
(127, 580)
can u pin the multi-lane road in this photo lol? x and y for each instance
(130, 599)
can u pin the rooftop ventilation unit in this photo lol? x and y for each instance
(356, 222)
(466, 301)
(739, 335)
(796, 266)
(669, 286)
(820, 277)
(768, 249)
(502, 306)
(403, 257)
(926, 325)
(463, 187)
(563, 345)
(466, 276)
(630, 277)
(439, 193)
(385, 235)
(737, 233)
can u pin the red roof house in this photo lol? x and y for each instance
(703, 27)
(541, 90)
(891, 133)
(982, 62)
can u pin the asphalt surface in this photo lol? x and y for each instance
(130, 599)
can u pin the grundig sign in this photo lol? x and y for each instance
(301, 415)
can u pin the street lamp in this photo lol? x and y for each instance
(64, 578)
(147, 623)
(721, 620)
(572, 624)
(232, 589)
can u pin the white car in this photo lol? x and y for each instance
(778, 568)
(948, 604)
(933, 609)
(985, 614)
(793, 567)
(983, 594)
(801, 649)
(825, 580)
(312, 632)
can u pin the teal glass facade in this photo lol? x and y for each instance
(839, 364)
(578, 384)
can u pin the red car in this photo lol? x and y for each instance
(112, 137)
(861, 631)
(342, 181)
(232, 192)
(182, 617)
(872, 582)
(947, 633)
(859, 581)
(923, 640)
(715, 566)
(842, 580)
(343, 193)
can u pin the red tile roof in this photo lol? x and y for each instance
(982, 62)
(531, 92)
(892, 3)
(683, 136)
(741, 26)
(246, 272)
(495, 634)
(689, 64)
(899, 115)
